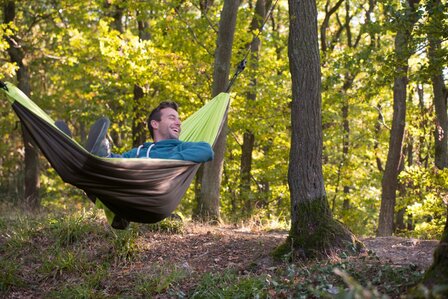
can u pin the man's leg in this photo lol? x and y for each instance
(97, 142)
(63, 127)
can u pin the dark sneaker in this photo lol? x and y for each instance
(120, 222)
(97, 142)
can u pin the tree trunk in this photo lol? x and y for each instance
(138, 120)
(245, 172)
(394, 156)
(313, 230)
(376, 144)
(440, 92)
(139, 116)
(32, 184)
(437, 274)
(208, 201)
(345, 145)
(248, 136)
(115, 12)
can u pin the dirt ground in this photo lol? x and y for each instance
(209, 249)
(402, 251)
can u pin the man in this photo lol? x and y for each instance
(164, 126)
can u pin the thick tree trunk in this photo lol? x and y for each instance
(394, 156)
(208, 201)
(32, 183)
(437, 274)
(313, 229)
(440, 93)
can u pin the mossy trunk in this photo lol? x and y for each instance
(437, 274)
(313, 232)
(317, 234)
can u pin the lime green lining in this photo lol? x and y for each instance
(204, 124)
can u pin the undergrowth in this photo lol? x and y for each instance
(76, 254)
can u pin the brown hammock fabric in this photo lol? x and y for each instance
(140, 190)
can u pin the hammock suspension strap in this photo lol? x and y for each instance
(242, 65)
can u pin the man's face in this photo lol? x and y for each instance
(169, 125)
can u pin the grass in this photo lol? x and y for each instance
(75, 254)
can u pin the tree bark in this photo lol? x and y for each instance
(138, 119)
(208, 201)
(437, 274)
(394, 156)
(32, 183)
(439, 90)
(115, 12)
(313, 230)
(139, 111)
(248, 136)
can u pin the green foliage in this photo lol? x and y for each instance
(84, 62)
(125, 245)
(229, 285)
(160, 279)
(70, 229)
(10, 276)
(168, 225)
(88, 288)
(425, 201)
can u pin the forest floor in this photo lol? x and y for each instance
(80, 256)
(402, 251)
(203, 248)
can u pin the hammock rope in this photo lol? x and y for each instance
(242, 64)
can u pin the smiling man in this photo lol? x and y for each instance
(164, 126)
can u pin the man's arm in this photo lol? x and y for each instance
(128, 154)
(198, 152)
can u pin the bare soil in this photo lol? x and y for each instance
(403, 251)
(210, 249)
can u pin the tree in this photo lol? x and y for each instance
(437, 274)
(248, 136)
(313, 229)
(17, 54)
(139, 113)
(208, 200)
(394, 157)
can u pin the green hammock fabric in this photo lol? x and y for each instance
(140, 190)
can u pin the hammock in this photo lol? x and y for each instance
(140, 190)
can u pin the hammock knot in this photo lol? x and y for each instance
(241, 66)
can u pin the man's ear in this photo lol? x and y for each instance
(154, 124)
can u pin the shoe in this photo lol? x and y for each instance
(120, 222)
(97, 142)
(63, 127)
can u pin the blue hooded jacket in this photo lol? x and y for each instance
(198, 152)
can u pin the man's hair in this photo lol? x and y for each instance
(156, 115)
